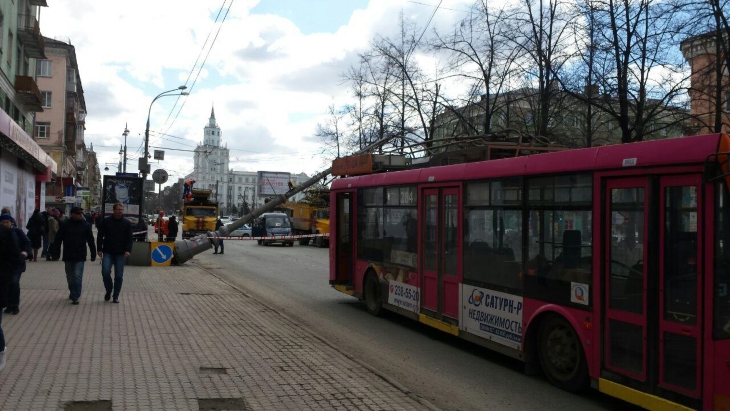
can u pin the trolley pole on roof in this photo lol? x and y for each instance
(187, 249)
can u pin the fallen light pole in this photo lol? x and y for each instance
(187, 249)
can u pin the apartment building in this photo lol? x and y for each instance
(24, 166)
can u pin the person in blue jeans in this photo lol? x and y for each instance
(114, 242)
(75, 234)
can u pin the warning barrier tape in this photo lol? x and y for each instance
(276, 237)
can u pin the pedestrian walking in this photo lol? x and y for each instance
(53, 225)
(218, 225)
(23, 243)
(35, 233)
(75, 234)
(6, 210)
(171, 229)
(114, 242)
(10, 256)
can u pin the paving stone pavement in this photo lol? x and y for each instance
(180, 339)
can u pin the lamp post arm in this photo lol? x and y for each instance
(147, 131)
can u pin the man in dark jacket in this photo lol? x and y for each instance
(9, 258)
(114, 241)
(75, 234)
(22, 241)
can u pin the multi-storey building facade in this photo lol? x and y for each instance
(59, 129)
(24, 166)
(514, 113)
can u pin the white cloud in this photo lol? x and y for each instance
(269, 83)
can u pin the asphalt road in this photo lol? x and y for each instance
(449, 373)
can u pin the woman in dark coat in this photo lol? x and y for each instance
(171, 228)
(35, 229)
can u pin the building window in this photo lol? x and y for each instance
(42, 130)
(44, 68)
(46, 96)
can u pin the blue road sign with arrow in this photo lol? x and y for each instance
(161, 254)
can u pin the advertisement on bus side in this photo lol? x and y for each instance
(404, 296)
(493, 315)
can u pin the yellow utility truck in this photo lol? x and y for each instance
(199, 214)
(309, 219)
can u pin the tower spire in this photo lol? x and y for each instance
(212, 112)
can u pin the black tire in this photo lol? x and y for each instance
(303, 241)
(320, 242)
(373, 301)
(561, 355)
(246, 236)
(260, 242)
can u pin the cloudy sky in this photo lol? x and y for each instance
(270, 70)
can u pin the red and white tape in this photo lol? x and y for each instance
(276, 237)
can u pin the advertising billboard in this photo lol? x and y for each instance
(125, 190)
(272, 183)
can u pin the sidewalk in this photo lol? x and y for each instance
(180, 339)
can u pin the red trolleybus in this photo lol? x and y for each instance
(607, 267)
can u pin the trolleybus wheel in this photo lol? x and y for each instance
(372, 295)
(561, 355)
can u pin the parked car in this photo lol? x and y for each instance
(243, 231)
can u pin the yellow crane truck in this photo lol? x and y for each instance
(309, 219)
(199, 213)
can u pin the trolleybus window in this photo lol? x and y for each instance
(559, 238)
(493, 234)
(722, 263)
(388, 225)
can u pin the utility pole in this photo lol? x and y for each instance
(125, 134)
(216, 196)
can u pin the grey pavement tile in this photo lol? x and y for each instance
(147, 351)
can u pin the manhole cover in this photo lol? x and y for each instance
(101, 405)
(217, 404)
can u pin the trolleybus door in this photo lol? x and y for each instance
(652, 327)
(440, 250)
(341, 253)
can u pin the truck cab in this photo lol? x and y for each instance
(274, 225)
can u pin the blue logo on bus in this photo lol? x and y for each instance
(476, 298)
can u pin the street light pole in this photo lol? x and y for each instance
(125, 133)
(147, 128)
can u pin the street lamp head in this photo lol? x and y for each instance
(182, 87)
(106, 168)
(184, 93)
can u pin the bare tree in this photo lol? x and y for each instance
(541, 33)
(333, 132)
(410, 97)
(478, 50)
(645, 82)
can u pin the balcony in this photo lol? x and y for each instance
(29, 34)
(43, 3)
(72, 110)
(27, 93)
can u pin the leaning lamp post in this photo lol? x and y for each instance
(147, 128)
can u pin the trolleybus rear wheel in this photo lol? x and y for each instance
(561, 355)
(373, 302)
